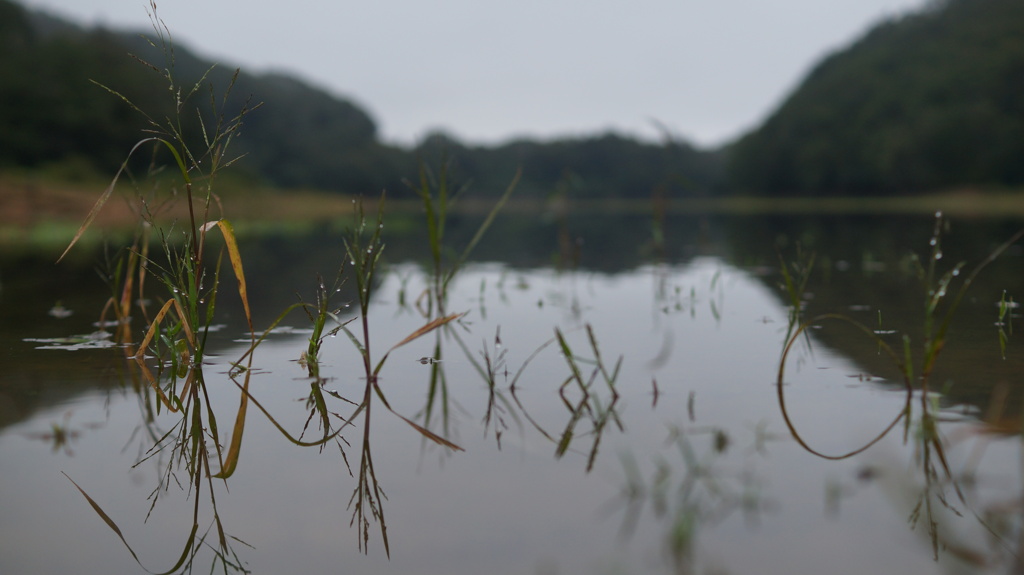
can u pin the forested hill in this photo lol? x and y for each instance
(53, 111)
(934, 100)
(52, 114)
(929, 101)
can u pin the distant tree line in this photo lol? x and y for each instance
(927, 101)
(52, 111)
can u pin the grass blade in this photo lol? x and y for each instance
(236, 435)
(236, 264)
(425, 329)
(102, 199)
(106, 518)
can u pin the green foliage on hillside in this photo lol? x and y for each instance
(52, 112)
(930, 101)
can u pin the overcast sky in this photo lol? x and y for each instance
(487, 71)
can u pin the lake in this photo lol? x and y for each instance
(616, 395)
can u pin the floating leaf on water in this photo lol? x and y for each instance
(112, 322)
(96, 340)
(60, 312)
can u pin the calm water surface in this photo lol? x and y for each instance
(683, 464)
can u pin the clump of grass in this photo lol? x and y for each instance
(364, 248)
(319, 314)
(185, 273)
(578, 394)
(588, 403)
(438, 196)
(189, 270)
(178, 330)
(938, 292)
(795, 276)
(688, 493)
(941, 300)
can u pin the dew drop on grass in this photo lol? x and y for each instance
(933, 241)
(938, 254)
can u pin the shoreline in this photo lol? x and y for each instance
(34, 210)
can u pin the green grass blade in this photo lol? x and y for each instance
(485, 225)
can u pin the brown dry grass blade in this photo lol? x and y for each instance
(427, 433)
(423, 430)
(280, 428)
(152, 328)
(236, 435)
(425, 329)
(106, 518)
(104, 197)
(156, 325)
(236, 264)
(113, 526)
(151, 379)
(429, 327)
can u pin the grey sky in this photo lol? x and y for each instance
(486, 71)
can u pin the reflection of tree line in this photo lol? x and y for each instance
(943, 492)
(865, 268)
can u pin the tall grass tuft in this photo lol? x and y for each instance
(437, 196)
(178, 330)
(185, 274)
(364, 246)
(941, 300)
